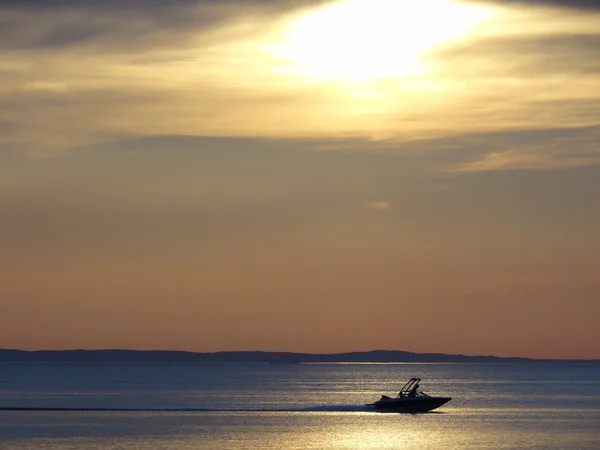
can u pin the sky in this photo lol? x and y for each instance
(322, 176)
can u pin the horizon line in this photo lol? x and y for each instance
(287, 352)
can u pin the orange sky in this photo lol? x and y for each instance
(210, 177)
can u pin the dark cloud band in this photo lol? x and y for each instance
(30, 24)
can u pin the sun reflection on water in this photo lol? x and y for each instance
(374, 431)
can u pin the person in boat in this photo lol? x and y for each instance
(413, 391)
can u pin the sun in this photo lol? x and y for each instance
(371, 39)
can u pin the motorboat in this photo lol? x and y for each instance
(409, 400)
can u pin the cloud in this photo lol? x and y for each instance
(379, 206)
(553, 55)
(550, 150)
(121, 26)
(79, 73)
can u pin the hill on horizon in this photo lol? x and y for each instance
(177, 356)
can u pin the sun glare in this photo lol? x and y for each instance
(371, 39)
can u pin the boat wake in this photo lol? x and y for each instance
(338, 408)
(316, 408)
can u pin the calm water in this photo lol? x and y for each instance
(296, 406)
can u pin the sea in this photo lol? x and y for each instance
(501, 405)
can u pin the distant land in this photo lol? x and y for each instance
(173, 356)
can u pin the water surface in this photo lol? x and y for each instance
(296, 406)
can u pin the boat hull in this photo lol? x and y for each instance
(410, 405)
